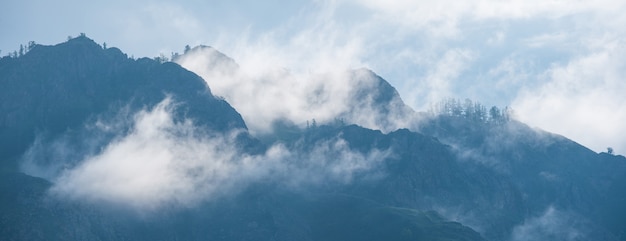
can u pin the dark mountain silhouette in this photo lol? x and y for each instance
(56, 90)
(27, 213)
(549, 170)
(457, 175)
(53, 89)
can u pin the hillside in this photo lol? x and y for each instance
(99, 146)
(354, 96)
(55, 89)
(75, 106)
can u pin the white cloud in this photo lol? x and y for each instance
(553, 224)
(161, 162)
(410, 43)
(582, 99)
(546, 39)
(492, 51)
(497, 38)
(441, 77)
(428, 11)
(268, 94)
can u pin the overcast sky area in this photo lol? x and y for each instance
(561, 65)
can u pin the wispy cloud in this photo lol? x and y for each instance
(269, 94)
(413, 44)
(553, 224)
(582, 99)
(162, 162)
(498, 53)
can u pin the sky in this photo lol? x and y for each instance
(559, 64)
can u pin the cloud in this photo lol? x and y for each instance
(497, 53)
(546, 39)
(161, 162)
(266, 95)
(497, 39)
(553, 224)
(582, 99)
(410, 43)
(438, 83)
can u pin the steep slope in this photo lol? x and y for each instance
(27, 213)
(353, 96)
(376, 104)
(53, 89)
(486, 170)
(466, 175)
(425, 174)
(551, 171)
(60, 92)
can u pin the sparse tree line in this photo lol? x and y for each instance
(472, 110)
(337, 122)
(162, 58)
(24, 48)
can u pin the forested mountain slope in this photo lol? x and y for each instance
(99, 146)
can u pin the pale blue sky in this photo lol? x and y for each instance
(560, 64)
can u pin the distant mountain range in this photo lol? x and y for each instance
(95, 145)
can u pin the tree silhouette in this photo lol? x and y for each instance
(161, 58)
(471, 110)
(31, 45)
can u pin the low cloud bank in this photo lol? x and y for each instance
(161, 162)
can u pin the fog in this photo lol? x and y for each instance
(264, 96)
(160, 162)
(582, 99)
(505, 53)
(552, 224)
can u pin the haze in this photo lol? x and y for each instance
(559, 64)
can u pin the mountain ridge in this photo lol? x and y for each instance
(357, 96)
(435, 178)
(100, 79)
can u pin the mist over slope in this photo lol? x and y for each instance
(56, 89)
(354, 96)
(99, 146)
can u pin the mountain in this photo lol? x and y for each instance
(99, 146)
(72, 105)
(53, 89)
(510, 182)
(357, 96)
(550, 170)
(514, 172)
(376, 104)
(27, 213)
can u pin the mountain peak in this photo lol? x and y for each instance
(82, 39)
(52, 89)
(356, 96)
(207, 62)
(144, 135)
(79, 44)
